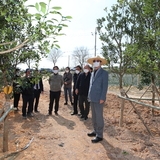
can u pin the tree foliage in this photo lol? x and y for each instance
(130, 36)
(39, 29)
(115, 36)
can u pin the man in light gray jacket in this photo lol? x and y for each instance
(97, 96)
(56, 82)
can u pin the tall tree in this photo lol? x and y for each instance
(112, 30)
(54, 55)
(80, 55)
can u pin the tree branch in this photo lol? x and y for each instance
(15, 48)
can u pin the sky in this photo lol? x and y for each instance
(80, 31)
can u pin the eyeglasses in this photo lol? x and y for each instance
(96, 61)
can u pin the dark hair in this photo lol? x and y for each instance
(27, 70)
(55, 67)
(68, 68)
(78, 67)
(91, 68)
(17, 69)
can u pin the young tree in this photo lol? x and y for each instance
(54, 55)
(145, 48)
(80, 55)
(115, 36)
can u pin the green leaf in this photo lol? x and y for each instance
(64, 25)
(43, 7)
(57, 46)
(68, 17)
(37, 6)
(56, 8)
(38, 16)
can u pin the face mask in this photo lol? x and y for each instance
(86, 70)
(96, 64)
(77, 71)
(66, 71)
(17, 73)
(55, 71)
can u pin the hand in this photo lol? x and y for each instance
(76, 91)
(101, 101)
(65, 82)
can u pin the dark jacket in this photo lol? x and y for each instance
(75, 77)
(40, 85)
(28, 86)
(83, 83)
(67, 77)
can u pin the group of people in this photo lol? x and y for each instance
(30, 87)
(89, 90)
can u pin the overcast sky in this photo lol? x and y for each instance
(81, 29)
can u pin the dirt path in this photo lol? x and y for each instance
(64, 137)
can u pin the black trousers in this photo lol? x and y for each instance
(75, 103)
(27, 102)
(67, 91)
(84, 109)
(16, 99)
(54, 96)
(37, 93)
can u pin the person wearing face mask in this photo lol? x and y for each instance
(75, 96)
(16, 89)
(82, 88)
(67, 78)
(55, 82)
(97, 96)
(27, 94)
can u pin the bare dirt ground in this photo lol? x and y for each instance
(64, 137)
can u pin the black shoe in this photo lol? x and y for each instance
(73, 113)
(96, 140)
(49, 114)
(82, 116)
(85, 118)
(36, 111)
(30, 115)
(72, 103)
(56, 113)
(92, 134)
(24, 117)
(66, 103)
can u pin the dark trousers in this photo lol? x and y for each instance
(16, 99)
(54, 96)
(37, 93)
(27, 100)
(75, 96)
(67, 91)
(84, 109)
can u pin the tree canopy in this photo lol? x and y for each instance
(26, 36)
(130, 35)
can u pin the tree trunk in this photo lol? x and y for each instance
(5, 135)
(153, 93)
